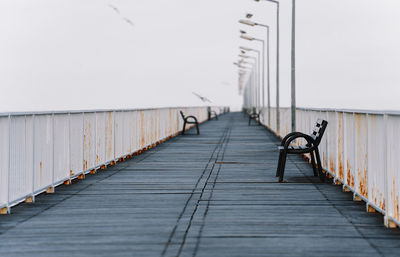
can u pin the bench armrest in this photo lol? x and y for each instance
(289, 135)
(295, 135)
(192, 117)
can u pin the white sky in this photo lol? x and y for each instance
(81, 54)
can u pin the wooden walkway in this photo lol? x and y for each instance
(211, 195)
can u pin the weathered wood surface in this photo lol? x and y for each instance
(208, 195)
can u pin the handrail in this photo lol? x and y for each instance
(360, 151)
(41, 150)
(3, 114)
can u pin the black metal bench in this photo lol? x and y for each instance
(311, 147)
(187, 121)
(212, 113)
(254, 115)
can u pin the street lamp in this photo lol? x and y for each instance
(293, 63)
(277, 61)
(257, 72)
(263, 61)
(247, 80)
(253, 23)
(250, 94)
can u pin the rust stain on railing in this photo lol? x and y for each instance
(332, 167)
(340, 147)
(142, 130)
(349, 175)
(362, 183)
(395, 199)
(109, 133)
(41, 172)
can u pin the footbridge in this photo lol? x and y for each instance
(213, 194)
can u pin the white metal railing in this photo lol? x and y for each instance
(39, 151)
(361, 150)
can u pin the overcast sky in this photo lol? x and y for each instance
(84, 54)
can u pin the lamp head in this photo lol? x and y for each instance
(246, 48)
(247, 22)
(247, 37)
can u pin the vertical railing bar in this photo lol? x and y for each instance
(25, 154)
(342, 148)
(367, 118)
(69, 146)
(105, 137)
(385, 170)
(52, 150)
(33, 152)
(337, 145)
(114, 134)
(95, 139)
(9, 162)
(354, 157)
(83, 142)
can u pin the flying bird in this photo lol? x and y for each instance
(119, 13)
(114, 8)
(202, 98)
(128, 21)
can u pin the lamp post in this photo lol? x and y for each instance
(277, 61)
(250, 94)
(252, 23)
(293, 59)
(263, 49)
(256, 76)
(293, 84)
(256, 61)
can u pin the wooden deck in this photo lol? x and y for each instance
(211, 195)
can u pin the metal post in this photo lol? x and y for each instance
(258, 65)
(52, 150)
(277, 68)
(9, 164)
(277, 64)
(268, 82)
(69, 145)
(33, 153)
(263, 75)
(293, 85)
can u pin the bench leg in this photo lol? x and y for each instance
(278, 169)
(197, 128)
(284, 155)
(314, 167)
(184, 126)
(321, 175)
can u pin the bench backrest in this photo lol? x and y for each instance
(319, 130)
(183, 116)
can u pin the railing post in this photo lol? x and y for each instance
(52, 150)
(387, 221)
(9, 163)
(69, 145)
(33, 153)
